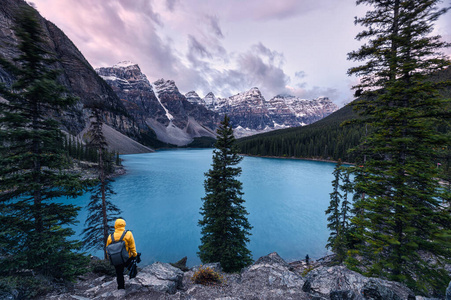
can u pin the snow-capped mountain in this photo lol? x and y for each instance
(159, 107)
(306, 111)
(193, 97)
(250, 113)
(177, 118)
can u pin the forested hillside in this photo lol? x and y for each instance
(325, 139)
(328, 138)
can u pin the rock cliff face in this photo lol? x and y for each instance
(270, 277)
(159, 106)
(177, 118)
(250, 113)
(143, 111)
(77, 76)
(135, 92)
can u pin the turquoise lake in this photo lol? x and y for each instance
(160, 197)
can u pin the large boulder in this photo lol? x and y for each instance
(338, 282)
(160, 277)
(271, 271)
(269, 277)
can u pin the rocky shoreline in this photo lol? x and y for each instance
(270, 277)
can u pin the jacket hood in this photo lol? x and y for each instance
(120, 223)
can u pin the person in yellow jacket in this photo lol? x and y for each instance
(119, 228)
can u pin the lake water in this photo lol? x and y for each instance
(160, 197)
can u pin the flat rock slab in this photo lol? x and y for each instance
(338, 282)
(161, 277)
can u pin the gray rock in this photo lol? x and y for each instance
(338, 281)
(161, 277)
(343, 295)
(272, 271)
(448, 292)
(324, 280)
(374, 290)
(269, 277)
(8, 295)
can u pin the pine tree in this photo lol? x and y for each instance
(225, 228)
(334, 208)
(101, 211)
(338, 212)
(347, 189)
(400, 211)
(34, 227)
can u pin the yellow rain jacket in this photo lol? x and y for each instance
(119, 228)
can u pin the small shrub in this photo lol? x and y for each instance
(103, 267)
(307, 270)
(24, 287)
(207, 276)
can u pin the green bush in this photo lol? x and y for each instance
(103, 267)
(25, 287)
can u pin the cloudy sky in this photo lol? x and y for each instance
(294, 47)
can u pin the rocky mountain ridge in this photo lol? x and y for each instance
(178, 118)
(76, 75)
(159, 106)
(251, 113)
(270, 277)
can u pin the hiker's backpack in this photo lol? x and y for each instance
(117, 252)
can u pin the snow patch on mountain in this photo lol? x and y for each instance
(124, 64)
(193, 97)
(168, 114)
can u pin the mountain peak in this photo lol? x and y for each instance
(167, 86)
(193, 97)
(125, 64)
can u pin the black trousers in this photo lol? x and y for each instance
(120, 276)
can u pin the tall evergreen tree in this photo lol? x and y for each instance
(34, 229)
(339, 213)
(403, 218)
(347, 190)
(225, 228)
(101, 211)
(333, 211)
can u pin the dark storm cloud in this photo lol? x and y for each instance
(196, 49)
(143, 7)
(119, 30)
(274, 57)
(214, 23)
(258, 67)
(300, 74)
(268, 77)
(263, 10)
(170, 4)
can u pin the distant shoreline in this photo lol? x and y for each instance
(298, 158)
